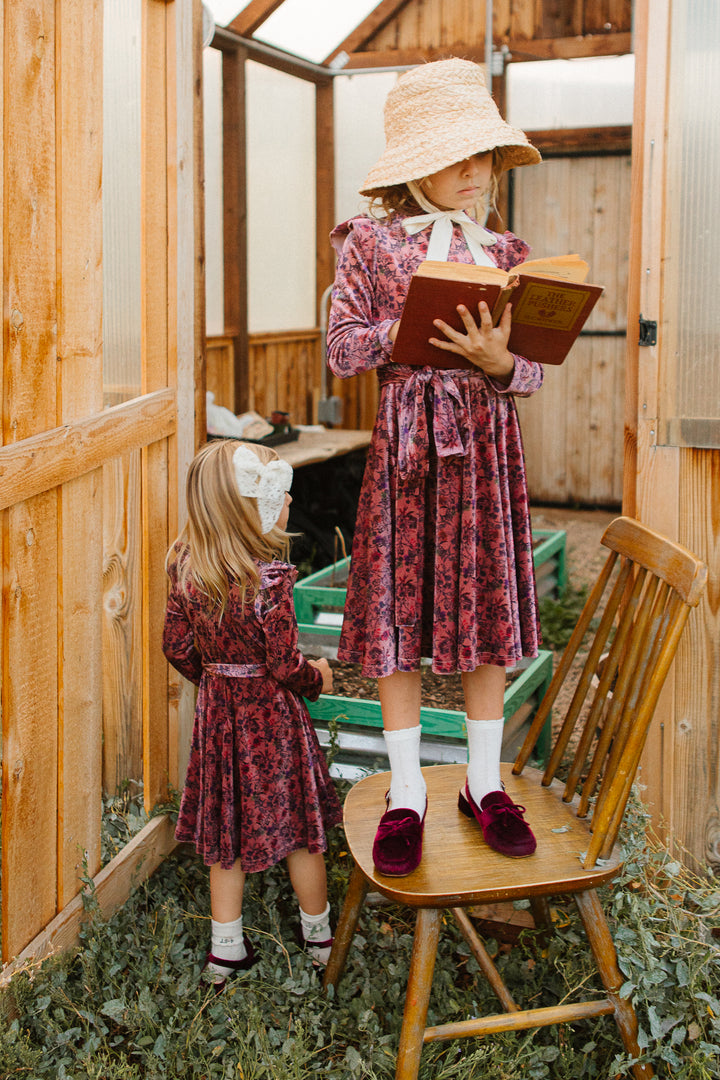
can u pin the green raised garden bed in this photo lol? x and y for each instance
(320, 598)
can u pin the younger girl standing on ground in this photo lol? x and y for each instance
(442, 555)
(257, 788)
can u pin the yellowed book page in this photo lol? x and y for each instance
(488, 275)
(559, 267)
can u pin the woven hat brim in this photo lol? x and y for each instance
(414, 163)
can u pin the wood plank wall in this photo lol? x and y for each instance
(30, 530)
(411, 32)
(64, 456)
(283, 373)
(122, 624)
(51, 192)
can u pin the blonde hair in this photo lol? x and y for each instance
(219, 545)
(409, 197)
(396, 199)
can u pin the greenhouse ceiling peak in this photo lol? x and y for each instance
(310, 29)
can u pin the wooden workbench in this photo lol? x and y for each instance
(311, 447)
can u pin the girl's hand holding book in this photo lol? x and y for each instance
(483, 344)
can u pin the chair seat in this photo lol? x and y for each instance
(457, 866)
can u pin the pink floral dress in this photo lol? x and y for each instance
(442, 561)
(257, 785)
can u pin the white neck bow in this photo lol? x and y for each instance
(266, 483)
(442, 221)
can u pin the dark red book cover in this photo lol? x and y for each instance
(547, 316)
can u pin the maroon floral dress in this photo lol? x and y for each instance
(257, 786)
(442, 561)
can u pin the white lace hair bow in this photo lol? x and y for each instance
(266, 483)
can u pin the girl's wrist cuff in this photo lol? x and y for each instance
(384, 336)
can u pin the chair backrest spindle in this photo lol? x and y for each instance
(615, 613)
(623, 661)
(563, 669)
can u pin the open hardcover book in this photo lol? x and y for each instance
(550, 304)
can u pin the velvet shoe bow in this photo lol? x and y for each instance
(397, 848)
(501, 821)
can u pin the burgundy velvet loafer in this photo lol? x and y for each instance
(219, 983)
(501, 821)
(397, 848)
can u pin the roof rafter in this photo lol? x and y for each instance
(571, 48)
(522, 49)
(371, 24)
(227, 41)
(251, 18)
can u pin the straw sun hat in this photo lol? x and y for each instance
(438, 114)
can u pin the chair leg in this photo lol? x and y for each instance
(483, 958)
(601, 943)
(417, 994)
(347, 924)
(540, 907)
(541, 913)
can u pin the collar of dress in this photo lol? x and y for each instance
(477, 238)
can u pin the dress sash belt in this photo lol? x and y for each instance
(450, 425)
(237, 671)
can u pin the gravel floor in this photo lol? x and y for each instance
(584, 528)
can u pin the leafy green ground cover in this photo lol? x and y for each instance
(558, 616)
(128, 1002)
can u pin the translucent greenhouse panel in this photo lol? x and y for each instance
(281, 200)
(690, 328)
(588, 92)
(359, 135)
(313, 28)
(121, 201)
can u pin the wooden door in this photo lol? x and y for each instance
(78, 452)
(672, 455)
(573, 428)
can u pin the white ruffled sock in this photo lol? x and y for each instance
(226, 943)
(316, 928)
(407, 786)
(484, 739)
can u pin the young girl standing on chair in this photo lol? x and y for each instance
(442, 561)
(257, 788)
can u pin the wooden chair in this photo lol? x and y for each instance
(639, 604)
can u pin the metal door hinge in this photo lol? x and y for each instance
(648, 332)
